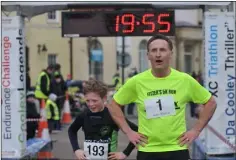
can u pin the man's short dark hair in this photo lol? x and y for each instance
(160, 36)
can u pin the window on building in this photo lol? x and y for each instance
(143, 61)
(188, 63)
(188, 48)
(52, 59)
(96, 60)
(52, 16)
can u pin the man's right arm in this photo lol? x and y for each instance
(130, 146)
(125, 95)
(118, 116)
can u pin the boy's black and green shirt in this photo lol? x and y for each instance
(98, 127)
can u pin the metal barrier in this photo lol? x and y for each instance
(35, 146)
(198, 153)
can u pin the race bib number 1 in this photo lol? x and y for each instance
(96, 150)
(159, 107)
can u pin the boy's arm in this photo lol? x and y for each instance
(72, 132)
(130, 146)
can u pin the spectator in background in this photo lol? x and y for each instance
(52, 112)
(58, 89)
(57, 68)
(31, 112)
(199, 78)
(28, 79)
(79, 84)
(116, 81)
(68, 80)
(194, 75)
(42, 88)
(134, 71)
(193, 105)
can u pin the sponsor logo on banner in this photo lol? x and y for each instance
(220, 81)
(13, 88)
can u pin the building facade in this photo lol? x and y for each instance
(45, 46)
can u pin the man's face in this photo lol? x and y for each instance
(159, 54)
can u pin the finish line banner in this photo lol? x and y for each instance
(13, 105)
(220, 81)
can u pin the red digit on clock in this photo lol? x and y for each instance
(117, 23)
(145, 16)
(128, 23)
(162, 22)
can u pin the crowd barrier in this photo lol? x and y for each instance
(199, 153)
(35, 146)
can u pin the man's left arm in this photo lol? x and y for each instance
(200, 95)
(204, 117)
(205, 114)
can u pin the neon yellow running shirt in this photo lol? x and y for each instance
(161, 106)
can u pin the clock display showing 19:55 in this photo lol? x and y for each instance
(144, 23)
(117, 23)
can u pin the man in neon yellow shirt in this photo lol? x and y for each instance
(161, 94)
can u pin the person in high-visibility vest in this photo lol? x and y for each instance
(42, 88)
(129, 76)
(116, 82)
(52, 112)
(31, 113)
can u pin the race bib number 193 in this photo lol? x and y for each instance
(96, 150)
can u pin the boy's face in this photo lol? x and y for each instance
(94, 102)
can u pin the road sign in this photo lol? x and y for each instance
(127, 59)
(97, 55)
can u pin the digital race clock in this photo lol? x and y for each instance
(117, 23)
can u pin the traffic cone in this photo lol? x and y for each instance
(45, 155)
(43, 131)
(66, 118)
(46, 152)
